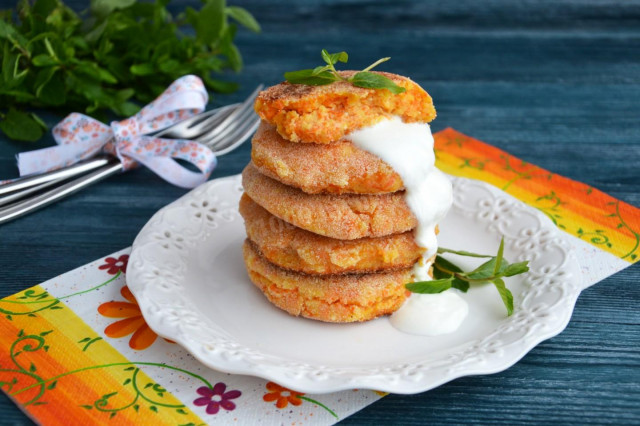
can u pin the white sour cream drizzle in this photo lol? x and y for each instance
(408, 149)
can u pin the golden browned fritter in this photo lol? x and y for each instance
(337, 168)
(330, 298)
(298, 250)
(324, 114)
(345, 217)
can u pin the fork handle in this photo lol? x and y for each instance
(14, 196)
(113, 166)
(26, 182)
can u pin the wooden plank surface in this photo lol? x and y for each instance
(556, 83)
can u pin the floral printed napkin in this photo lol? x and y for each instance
(76, 349)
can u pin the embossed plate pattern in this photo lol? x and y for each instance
(187, 273)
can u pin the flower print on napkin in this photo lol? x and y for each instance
(132, 321)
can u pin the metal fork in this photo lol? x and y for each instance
(222, 130)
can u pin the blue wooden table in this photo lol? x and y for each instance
(554, 83)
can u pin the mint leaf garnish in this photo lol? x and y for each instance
(370, 80)
(447, 275)
(430, 287)
(327, 74)
(310, 78)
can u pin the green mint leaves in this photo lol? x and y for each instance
(22, 126)
(447, 275)
(110, 58)
(327, 74)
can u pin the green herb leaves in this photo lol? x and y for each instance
(120, 51)
(430, 287)
(22, 126)
(371, 80)
(327, 74)
(447, 275)
(310, 78)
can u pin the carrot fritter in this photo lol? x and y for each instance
(330, 298)
(324, 114)
(337, 168)
(346, 217)
(298, 250)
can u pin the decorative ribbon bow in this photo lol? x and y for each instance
(80, 137)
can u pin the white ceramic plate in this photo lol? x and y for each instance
(187, 273)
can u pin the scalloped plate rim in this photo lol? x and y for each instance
(363, 382)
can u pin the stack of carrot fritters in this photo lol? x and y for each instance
(330, 236)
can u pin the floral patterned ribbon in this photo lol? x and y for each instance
(80, 137)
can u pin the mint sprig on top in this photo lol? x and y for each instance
(327, 74)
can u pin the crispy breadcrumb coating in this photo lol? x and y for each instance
(330, 298)
(345, 217)
(298, 250)
(336, 168)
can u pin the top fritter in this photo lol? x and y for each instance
(324, 114)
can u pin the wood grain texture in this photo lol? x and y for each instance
(556, 83)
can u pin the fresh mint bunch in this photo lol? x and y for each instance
(116, 52)
(447, 275)
(327, 74)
